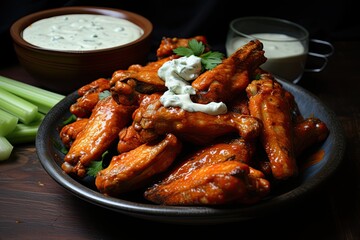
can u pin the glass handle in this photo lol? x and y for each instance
(325, 50)
(324, 60)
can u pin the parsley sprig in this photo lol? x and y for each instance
(96, 166)
(209, 60)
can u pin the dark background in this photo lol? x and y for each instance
(323, 19)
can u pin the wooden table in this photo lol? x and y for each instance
(34, 206)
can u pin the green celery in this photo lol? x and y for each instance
(7, 122)
(24, 110)
(42, 98)
(5, 148)
(25, 133)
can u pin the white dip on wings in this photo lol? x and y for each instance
(177, 74)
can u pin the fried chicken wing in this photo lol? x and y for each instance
(240, 104)
(146, 77)
(134, 169)
(103, 127)
(129, 139)
(69, 132)
(152, 119)
(308, 133)
(84, 105)
(214, 184)
(88, 97)
(230, 150)
(124, 93)
(224, 82)
(268, 103)
(99, 85)
(167, 45)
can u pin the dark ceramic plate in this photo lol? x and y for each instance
(309, 180)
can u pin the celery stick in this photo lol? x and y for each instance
(25, 133)
(5, 148)
(7, 122)
(44, 99)
(24, 110)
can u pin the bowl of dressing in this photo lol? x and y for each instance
(286, 45)
(68, 47)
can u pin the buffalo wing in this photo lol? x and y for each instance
(146, 77)
(230, 78)
(153, 119)
(100, 132)
(167, 45)
(69, 132)
(214, 184)
(134, 169)
(309, 132)
(230, 150)
(89, 96)
(268, 103)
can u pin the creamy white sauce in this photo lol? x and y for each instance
(286, 56)
(177, 74)
(81, 32)
(276, 45)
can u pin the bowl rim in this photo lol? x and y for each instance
(19, 25)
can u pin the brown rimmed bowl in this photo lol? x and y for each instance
(66, 71)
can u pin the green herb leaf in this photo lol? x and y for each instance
(209, 60)
(69, 120)
(59, 146)
(197, 47)
(96, 166)
(183, 51)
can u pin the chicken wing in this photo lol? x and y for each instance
(84, 105)
(134, 169)
(129, 139)
(69, 132)
(167, 45)
(146, 77)
(231, 150)
(308, 133)
(214, 184)
(268, 103)
(99, 85)
(88, 97)
(239, 105)
(152, 119)
(103, 127)
(228, 79)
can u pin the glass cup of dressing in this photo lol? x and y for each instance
(286, 45)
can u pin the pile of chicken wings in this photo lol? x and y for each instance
(177, 157)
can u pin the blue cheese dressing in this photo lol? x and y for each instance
(81, 32)
(177, 74)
